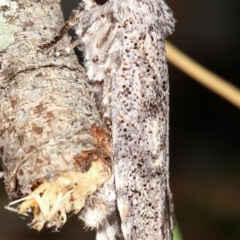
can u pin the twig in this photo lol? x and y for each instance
(203, 76)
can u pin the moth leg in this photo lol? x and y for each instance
(100, 212)
(73, 20)
(74, 44)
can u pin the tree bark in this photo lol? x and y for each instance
(52, 143)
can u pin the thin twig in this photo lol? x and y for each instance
(203, 76)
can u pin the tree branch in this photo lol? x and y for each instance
(53, 148)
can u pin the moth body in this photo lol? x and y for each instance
(124, 52)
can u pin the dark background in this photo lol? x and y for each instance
(204, 134)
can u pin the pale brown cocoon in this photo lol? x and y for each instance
(53, 149)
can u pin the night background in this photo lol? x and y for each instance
(204, 131)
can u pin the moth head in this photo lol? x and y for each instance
(147, 12)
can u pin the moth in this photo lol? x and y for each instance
(125, 60)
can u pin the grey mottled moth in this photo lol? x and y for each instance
(123, 43)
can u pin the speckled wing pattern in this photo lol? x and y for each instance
(126, 63)
(140, 133)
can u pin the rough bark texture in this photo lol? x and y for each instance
(49, 125)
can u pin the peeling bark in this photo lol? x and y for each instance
(51, 136)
